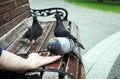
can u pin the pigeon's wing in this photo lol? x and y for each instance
(70, 36)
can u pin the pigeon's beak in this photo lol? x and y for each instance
(49, 47)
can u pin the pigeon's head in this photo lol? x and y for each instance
(58, 15)
(35, 19)
(54, 46)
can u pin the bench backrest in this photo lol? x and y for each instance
(12, 13)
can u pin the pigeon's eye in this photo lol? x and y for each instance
(51, 46)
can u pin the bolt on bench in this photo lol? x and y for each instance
(14, 23)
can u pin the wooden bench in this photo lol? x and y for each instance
(13, 24)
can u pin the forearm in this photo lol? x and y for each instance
(11, 61)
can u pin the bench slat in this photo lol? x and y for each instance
(72, 66)
(13, 13)
(6, 6)
(80, 72)
(12, 23)
(12, 35)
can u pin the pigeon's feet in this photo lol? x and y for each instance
(33, 41)
(23, 40)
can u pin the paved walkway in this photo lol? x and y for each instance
(100, 59)
(99, 33)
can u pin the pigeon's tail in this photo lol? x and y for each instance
(79, 45)
(27, 34)
(24, 36)
(80, 61)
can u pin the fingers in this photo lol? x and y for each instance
(50, 59)
(55, 56)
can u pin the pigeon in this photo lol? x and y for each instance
(60, 45)
(34, 31)
(60, 30)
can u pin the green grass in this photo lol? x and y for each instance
(97, 6)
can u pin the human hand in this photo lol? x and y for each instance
(36, 60)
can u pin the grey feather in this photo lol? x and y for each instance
(60, 45)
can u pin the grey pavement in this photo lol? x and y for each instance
(97, 30)
(100, 59)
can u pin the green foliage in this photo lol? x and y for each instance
(117, 77)
(97, 6)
